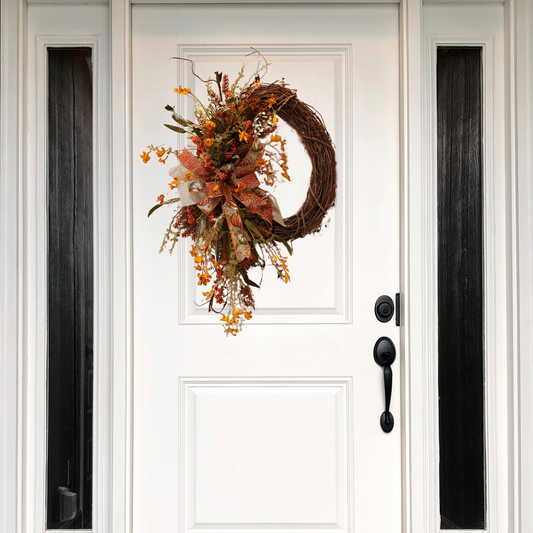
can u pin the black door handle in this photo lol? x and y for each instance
(384, 355)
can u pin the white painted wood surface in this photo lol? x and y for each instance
(420, 496)
(277, 429)
(120, 476)
(12, 38)
(72, 2)
(519, 76)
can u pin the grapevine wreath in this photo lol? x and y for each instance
(235, 150)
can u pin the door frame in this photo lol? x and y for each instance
(114, 402)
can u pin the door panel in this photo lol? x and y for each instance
(328, 301)
(276, 429)
(277, 433)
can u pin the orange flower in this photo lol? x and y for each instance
(275, 139)
(174, 183)
(161, 198)
(240, 187)
(182, 90)
(243, 135)
(188, 176)
(204, 279)
(271, 101)
(210, 124)
(161, 152)
(145, 156)
(209, 142)
(275, 119)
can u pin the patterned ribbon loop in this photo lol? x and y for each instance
(239, 185)
(240, 188)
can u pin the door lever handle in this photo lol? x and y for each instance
(384, 355)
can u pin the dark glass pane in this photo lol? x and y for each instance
(460, 275)
(70, 289)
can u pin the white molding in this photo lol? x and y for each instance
(519, 41)
(262, 1)
(120, 500)
(35, 222)
(494, 279)
(12, 35)
(459, 2)
(303, 1)
(265, 2)
(111, 471)
(419, 383)
(69, 2)
(189, 387)
(36, 264)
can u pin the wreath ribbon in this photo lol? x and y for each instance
(243, 185)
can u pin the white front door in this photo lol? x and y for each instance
(277, 429)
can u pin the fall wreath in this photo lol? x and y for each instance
(235, 151)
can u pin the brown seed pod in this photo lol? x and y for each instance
(310, 127)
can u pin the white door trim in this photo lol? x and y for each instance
(420, 420)
(420, 494)
(121, 481)
(519, 35)
(495, 285)
(12, 15)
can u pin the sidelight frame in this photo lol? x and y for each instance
(113, 474)
(493, 206)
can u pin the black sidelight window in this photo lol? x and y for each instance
(460, 282)
(70, 289)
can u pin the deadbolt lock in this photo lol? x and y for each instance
(384, 308)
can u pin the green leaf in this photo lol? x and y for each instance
(157, 206)
(245, 277)
(253, 228)
(176, 117)
(202, 225)
(179, 120)
(175, 128)
(285, 243)
(230, 100)
(197, 132)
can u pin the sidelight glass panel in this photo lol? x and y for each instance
(70, 289)
(460, 282)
